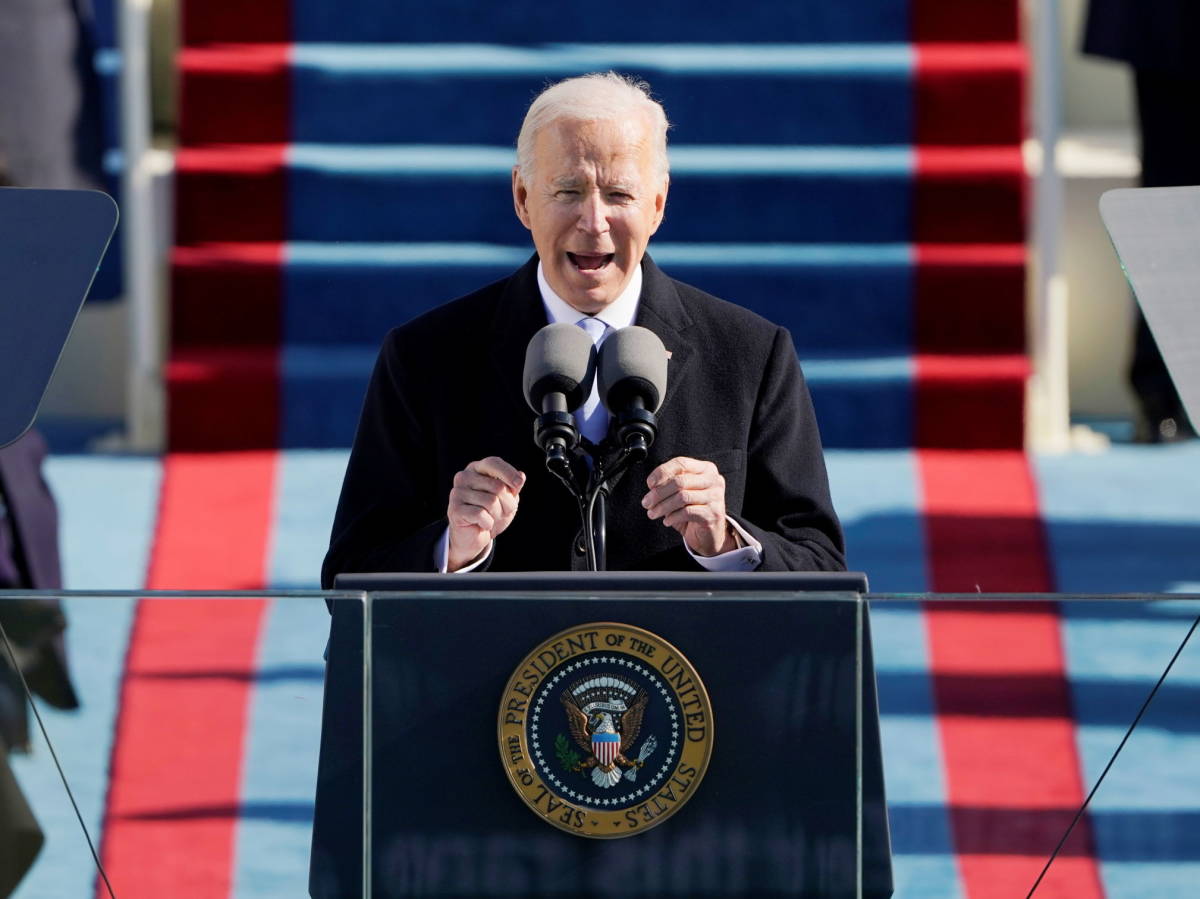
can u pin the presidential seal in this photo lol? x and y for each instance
(605, 730)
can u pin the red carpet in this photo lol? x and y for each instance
(176, 766)
(1004, 712)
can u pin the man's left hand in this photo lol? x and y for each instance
(689, 496)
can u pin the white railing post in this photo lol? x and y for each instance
(144, 403)
(1049, 418)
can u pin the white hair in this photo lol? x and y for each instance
(598, 97)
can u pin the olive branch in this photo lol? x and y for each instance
(566, 756)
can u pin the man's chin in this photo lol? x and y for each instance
(590, 298)
(589, 303)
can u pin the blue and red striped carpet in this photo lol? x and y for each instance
(851, 170)
(195, 753)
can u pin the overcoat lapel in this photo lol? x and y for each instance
(663, 312)
(518, 315)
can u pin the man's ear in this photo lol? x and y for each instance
(520, 197)
(660, 203)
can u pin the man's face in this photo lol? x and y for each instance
(594, 200)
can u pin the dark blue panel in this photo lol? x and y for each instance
(105, 92)
(855, 307)
(865, 414)
(104, 15)
(110, 108)
(359, 304)
(332, 206)
(340, 206)
(816, 208)
(618, 21)
(321, 407)
(726, 108)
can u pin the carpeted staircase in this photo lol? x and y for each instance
(850, 170)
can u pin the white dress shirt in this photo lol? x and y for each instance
(593, 418)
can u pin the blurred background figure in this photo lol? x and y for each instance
(49, 137)
(1159, 39)
(29, 559)
(50, 134)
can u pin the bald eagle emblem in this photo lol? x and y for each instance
(604, 714)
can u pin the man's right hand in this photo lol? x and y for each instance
(483, 502)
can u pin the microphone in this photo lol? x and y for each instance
(633, 382)
(560, 366)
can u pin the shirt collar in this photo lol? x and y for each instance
(620, 313)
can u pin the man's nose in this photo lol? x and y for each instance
(593, 215)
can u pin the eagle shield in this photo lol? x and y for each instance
(605, 716)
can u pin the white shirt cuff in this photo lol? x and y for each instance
(745, 558)
(441, 555)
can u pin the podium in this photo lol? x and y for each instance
(770, 784)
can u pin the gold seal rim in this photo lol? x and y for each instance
(536, 781)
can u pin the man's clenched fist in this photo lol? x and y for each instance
(483, 502)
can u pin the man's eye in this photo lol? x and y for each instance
(567, 194)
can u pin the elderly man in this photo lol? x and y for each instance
(444, 473)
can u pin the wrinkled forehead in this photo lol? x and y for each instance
(619, 147)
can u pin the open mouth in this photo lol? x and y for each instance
(590, 262)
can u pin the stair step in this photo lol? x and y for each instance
(860, 297)
(309, 397)
(714, 94)
(370, 21)
(226, 398)
(736, 194)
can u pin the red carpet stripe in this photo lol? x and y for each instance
(1004, 712)
(970, 298)
(176, 768)
(233, 193)
(969, 94)
(258, 75)
(224, 398)
(970, 402)
(216, 284)
(953, 20)
(969, 195)
(209, 21)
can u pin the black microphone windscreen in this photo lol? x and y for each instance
(560, 358)
(633, 363)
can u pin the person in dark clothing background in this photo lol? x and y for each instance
(50, 137)
(34, 627)
(1159, 39)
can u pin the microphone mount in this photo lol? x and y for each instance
(590, 472)
(636, 428)
(560, 366)
(555, 432)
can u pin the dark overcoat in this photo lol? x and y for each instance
(447, 390)
(1147, 34)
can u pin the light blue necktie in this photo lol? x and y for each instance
(592, 417)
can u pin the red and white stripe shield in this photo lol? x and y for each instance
(606, 747)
